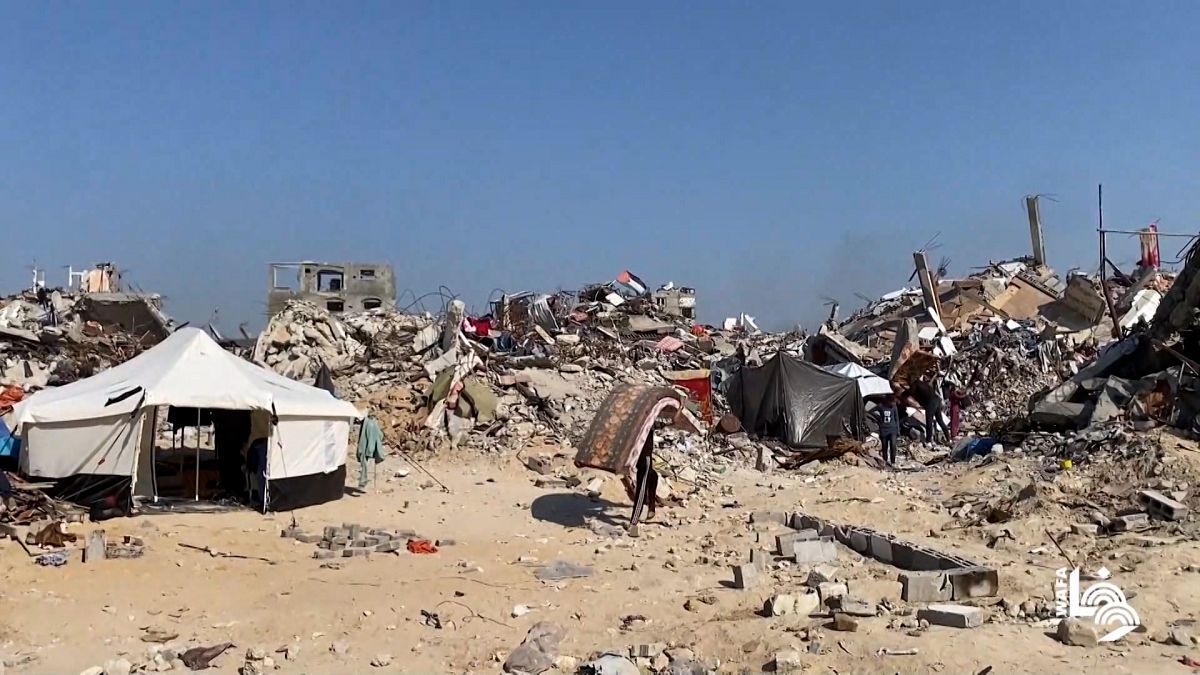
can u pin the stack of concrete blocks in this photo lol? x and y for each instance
(352, 540)
(929, 576)
(803, 545)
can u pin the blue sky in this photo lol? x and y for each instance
(768, 153)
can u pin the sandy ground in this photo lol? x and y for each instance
(78, 616)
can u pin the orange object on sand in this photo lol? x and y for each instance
(421, 546)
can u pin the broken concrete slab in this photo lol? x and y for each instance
(1132, 522)
(829, 590)
(953, 616)
(851, 606)
(821, 574)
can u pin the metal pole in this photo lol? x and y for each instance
(1112, 310)
(197, 454)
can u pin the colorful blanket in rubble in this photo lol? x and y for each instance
(621, 425)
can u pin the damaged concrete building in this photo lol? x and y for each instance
(336, 287)
(675, 300)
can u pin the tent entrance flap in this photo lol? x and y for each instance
(796, 402)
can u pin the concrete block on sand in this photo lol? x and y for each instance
(788, 661)
(784, 542)
(814, 550)
(769, 517)
(974, 582)
(745, 576)
(925, 587)
(821, 574)
(829, 590)
(954, 616)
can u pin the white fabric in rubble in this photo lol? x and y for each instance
(869, 384)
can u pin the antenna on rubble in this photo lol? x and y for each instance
(943, 267)
(833, 305)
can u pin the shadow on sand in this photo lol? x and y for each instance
(571, 509)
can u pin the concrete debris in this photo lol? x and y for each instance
(1077, 633)
(954, 616)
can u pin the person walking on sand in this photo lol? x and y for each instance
(646, 487)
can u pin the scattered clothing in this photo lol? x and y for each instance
(54, 559)
(421, 546)
(370, 447)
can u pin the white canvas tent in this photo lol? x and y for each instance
(103, 425)
(869, 384)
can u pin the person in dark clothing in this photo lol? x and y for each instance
(646, 487)
(930, 400)
(6, 491)
(256, 466)
(889, 428)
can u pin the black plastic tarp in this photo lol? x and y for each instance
(796, 402)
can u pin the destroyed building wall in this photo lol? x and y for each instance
(336, 287)
(679, 301)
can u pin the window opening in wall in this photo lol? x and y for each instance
(372, 303)
(367, 274)
(329, 281)
(335, 305)
(285, 277)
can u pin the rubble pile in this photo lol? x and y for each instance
(376, 346)
(66, 338)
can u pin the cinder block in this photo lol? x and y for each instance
(880, 548)
(745, 576)
(760, 558)
(974, 582)
(925, 587)
(814, 550)
(357, 551)
(1161, 505)
(784, 542)
(308, 538)
(769, 517)
(860, 541)
(322, 554)
(954, 616)
(924, 559)
(389, 547)
(353, 529)
(902, 553)
(1132, 522)
(331, 531)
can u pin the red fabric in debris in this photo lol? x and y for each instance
(421, 546)
(698, 330)
(699, 390)
(9, 396)
(483, 327)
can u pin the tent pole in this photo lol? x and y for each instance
(197, 454)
